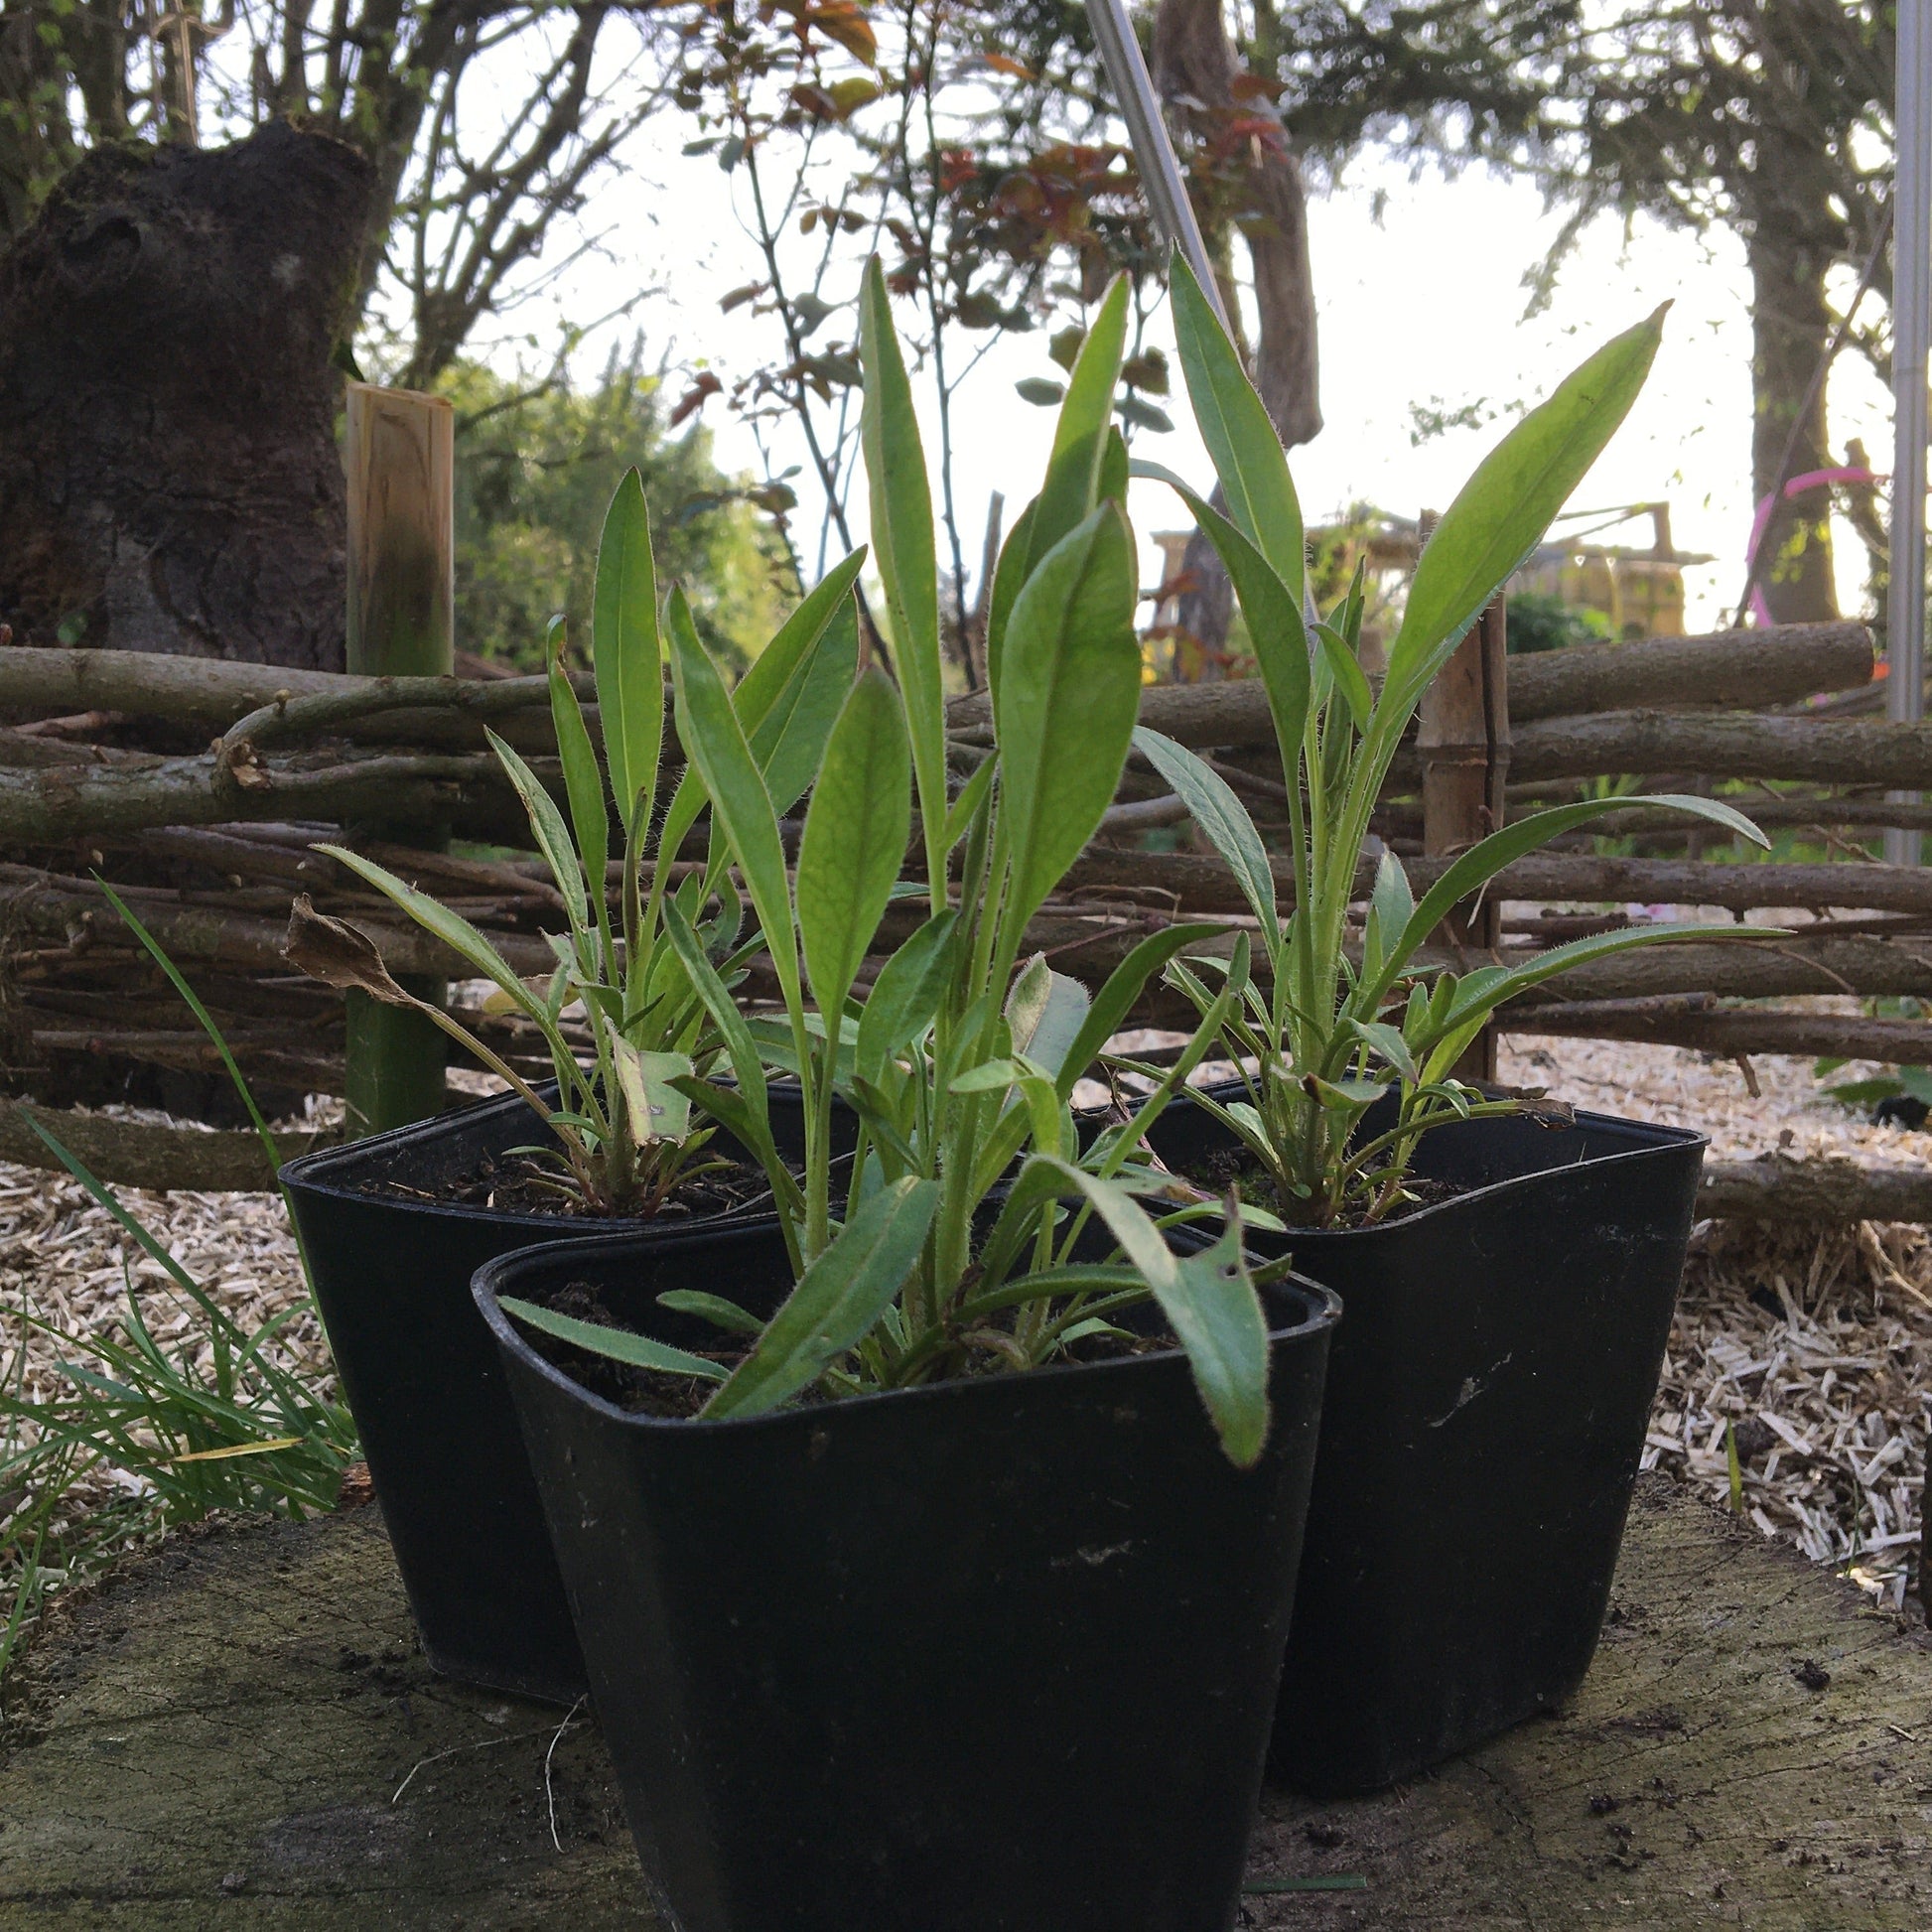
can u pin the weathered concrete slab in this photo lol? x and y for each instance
(241, 1736)
(242, 1733)
(1708, 1775)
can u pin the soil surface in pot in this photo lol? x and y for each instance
(522, 1184)
(678, 1398)
(1235, 1167)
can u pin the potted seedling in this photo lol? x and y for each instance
(392, 1227)
(932, 1548)
(1508, 1268)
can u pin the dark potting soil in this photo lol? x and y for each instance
(678, 1398)
(636, 1391)
(522, 1184)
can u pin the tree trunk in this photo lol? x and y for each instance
(169, 475)
(1791, 322)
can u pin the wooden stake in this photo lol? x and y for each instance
(401, 464)
(1463, 740)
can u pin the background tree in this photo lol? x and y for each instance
(535, 472)
(172, 294)
(1771, 121)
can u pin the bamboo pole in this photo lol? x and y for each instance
(401, 463)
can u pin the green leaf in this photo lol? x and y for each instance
(1072, 487)
(711, 1308)
(990, 1076)
(1067, 702)
(625, 652)
(1241, 439)
(748, 1067)
(788, 741)
(902, 546)
(1222, 818)
(838, 1299)
(1474, 868)
(1347, 674)
(1009, 577)
(1044, 1014)
(1209, 1300)
(787, 700)
(714, 741)
(855, 837)
(200, 1013)
(1502, 511)
(657, 1110)
(1479, 993)
(615, 1344)
(959, 818)
(1389, 1043)
(1116, 998)
(1276, 631)
(582, 782)
(551, 833)
(452, 928)
(906, 994)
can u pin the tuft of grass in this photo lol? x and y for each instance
(221, 1421)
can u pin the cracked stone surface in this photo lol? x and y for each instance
(240, 1736)
(1752, 1747)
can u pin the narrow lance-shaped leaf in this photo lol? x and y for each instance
(1242, 442)
(783, 699)
(856, 829)
(1067, 703)
(584, 788)
(838, 1299)
(615, 1344)
(1501, 514)
(1072, 485)
(1276, 630)
(625, 652)
(1222, 818)
(906, 994)
(902, 546)
(1473, 868)
(1209, 1300)
(715, 741)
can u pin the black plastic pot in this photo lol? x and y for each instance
(391, 1276)
(990, 1656)
(1485, 1413)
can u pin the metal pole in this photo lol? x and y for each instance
(1911, 321)
(1140, 107)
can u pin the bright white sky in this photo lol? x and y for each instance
(1425, 306)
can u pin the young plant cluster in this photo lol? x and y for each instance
(1346, 1043)
(980, 1225)
(623, 1134)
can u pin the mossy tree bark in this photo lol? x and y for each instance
(169, 475)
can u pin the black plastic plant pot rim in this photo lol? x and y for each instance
(424, 1382)
(327, 1170)
(1488, 1397)
(995, 1653)
(1647, 1138)
(1324, 1311)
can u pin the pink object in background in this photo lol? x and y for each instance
(1811, 480)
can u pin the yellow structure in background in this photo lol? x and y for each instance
(1629, 591)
